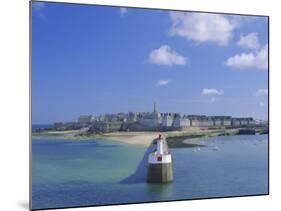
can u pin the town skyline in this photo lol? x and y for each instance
(91, 117)
(152, 121)
(79, 67)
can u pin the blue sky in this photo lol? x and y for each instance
(95, 59)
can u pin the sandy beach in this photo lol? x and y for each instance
(138, 138)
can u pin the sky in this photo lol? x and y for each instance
(90, 59)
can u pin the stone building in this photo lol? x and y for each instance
(206, 122)
(85, 119)
(150, 119)
(167, 120)
(242, 121)
(209, 121)
(221, 120)
(227, 120)
(196, 120)
(181, 122)
(132, 116)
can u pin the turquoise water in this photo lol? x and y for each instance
(67, 173)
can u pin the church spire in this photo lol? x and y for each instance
(155, 108)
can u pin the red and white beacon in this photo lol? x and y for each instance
(160, 169)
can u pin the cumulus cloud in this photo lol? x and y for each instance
(249, 41)
(123, 11)
(165, 55)
(258, 59)
(261, 92)
(203, 27)
(163, 82)
(211, 92)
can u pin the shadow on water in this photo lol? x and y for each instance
(139, 176)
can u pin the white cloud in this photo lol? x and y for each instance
(203, 27)
(258, 59)
(163, 82)
(261, 104)
(250, 41)
(123, 11)
(211, 92)
(165, 55)
(261, 92)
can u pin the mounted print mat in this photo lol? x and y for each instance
(135, 105)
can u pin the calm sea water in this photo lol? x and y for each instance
(68, 173)
(41, 126)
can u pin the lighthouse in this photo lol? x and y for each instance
(160, 165)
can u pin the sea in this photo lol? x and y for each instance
(71, 173)
(41, 126)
